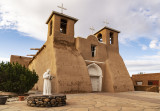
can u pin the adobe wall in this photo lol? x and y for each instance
(69, 36)
(84, 47)
(115, 75)
(150, 88)
(24, 61)
(65, 62)
(43, 61)
(72, 73)
(116, 68)
(145, 77)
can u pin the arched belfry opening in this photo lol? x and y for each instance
(50, 28)
(111, 37)
(63, 26)
(99, 37)
(95, 73)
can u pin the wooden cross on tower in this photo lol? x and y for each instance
(92, 29)
(62, 8)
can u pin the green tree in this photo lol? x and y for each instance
(16, 78)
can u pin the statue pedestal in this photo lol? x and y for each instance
(54, 100)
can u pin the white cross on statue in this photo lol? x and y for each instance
(92, 29)
(106, 22)
(62, 8)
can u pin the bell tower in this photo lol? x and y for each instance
(61, 27)
(108, 36)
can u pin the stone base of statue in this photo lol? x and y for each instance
(55, 100)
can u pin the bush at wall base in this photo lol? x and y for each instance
(16, 78)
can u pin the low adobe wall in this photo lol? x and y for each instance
(149, 88)
(24, 61)
(144, 78)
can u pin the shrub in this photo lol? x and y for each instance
(16, 78)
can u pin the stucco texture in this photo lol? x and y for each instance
(24, 61)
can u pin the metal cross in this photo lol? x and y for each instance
(62, 8)
(92, 29)
(106, 22)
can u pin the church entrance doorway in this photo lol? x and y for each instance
(95, 83)
(95, 73)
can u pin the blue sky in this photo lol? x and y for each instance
(22, 26)
(16, 43)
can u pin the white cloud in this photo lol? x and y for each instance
(144, 64)
(144, 47)
(154, 44)
(4, 59)
(136, 18)
(158, 53)
(136, 66)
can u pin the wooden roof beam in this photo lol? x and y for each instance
(30, 55)
(35, 48)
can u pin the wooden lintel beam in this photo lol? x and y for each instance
(37, 52)
(34, 48)
(31, 55)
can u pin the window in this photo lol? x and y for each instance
(50, 28)
(150, 83)
(153, 82)
(111, 38)
(139, 83)
(99, 37)
(93, 50)
(63, 26)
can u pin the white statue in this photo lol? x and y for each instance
(47, 83)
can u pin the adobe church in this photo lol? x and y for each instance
(79, 64)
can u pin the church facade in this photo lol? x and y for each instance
(79, 64)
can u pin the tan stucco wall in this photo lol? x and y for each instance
(42, 62)
(118, 72)
(115, 75)
(145, 78)
(69, 36)
(69, 68)
(84, 47)
(66, 64)
(24, 61)
(72, 73)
